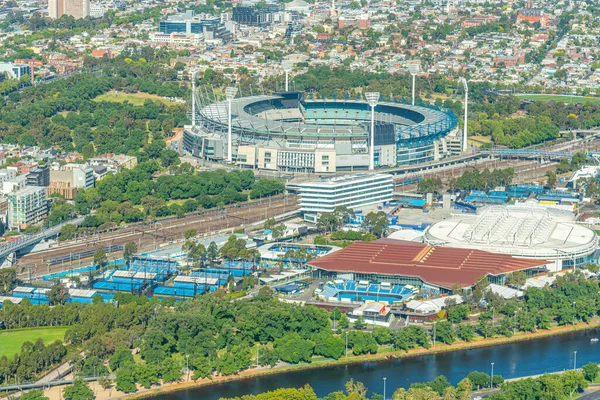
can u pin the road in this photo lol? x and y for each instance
(150, 236)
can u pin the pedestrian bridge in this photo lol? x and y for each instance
(30, 240)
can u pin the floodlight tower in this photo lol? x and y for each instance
(464, 136)
(287, 67)
(230, 92)
(414, 70)
(194, 72)
(372, 99)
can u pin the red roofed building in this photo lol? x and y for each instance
(401, 262)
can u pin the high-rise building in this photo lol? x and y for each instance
(39, 176)
(253, 16)
(14, 71)
(27, 206)
(75, 8)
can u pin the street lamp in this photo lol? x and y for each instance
(464, 137)
(575, 360)
(187, 366)
(414, 70)
(492, 378)
(287, 68)
(372, 99)
(384, 379)
(230, 92)
(346, 353)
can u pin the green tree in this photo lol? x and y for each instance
(465, 332)
(125, 378)
(517, 278)
(67, 232)
(79, 390)
(100, 257)
(445, 332)
(550, 179)
(121, 357)
(293, 349)
(190, 233)
(8, 279)
(360, 323)
(34, 394)
(129, 250)
(590, 371)
(58, 294)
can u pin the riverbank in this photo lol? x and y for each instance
(438, 349)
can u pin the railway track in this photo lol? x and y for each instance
(149, 237)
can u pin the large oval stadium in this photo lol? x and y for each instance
(287, 132)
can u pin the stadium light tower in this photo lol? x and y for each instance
(230, 92)
(372, 99)
(287, 68)
(194, 72)
(464, 136)
(414, 70)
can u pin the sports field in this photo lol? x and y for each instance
(558, 98)
(136, 99)
(12, 340)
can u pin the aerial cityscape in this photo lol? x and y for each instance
(300, 199)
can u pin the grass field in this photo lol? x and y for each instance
(137, 99)
(558, 98)
(12, 340)
(479, 140)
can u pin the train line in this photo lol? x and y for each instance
(151, 236)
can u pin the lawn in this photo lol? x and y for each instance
(558, 98)
(11, 340)
(136, 99)
(479, 140)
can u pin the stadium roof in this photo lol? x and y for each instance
(440, 266)
(524, 231)
(412, 121)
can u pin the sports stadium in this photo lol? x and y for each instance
(287, 132)
(529, 231)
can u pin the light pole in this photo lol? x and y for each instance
(187, 366)
(384, 379)
(575, 360)
(492, 378)
(372, 99)
(287, 68)
(346, 353)
(464, 137)
(414, 70)
(194, 71)
(230, 92)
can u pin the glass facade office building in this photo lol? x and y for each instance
(188, 23)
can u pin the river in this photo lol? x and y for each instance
(548, 354)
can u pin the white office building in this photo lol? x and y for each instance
(96, 10)
(14, 184)
(77, 175)
(7, 174)
(352, 191)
